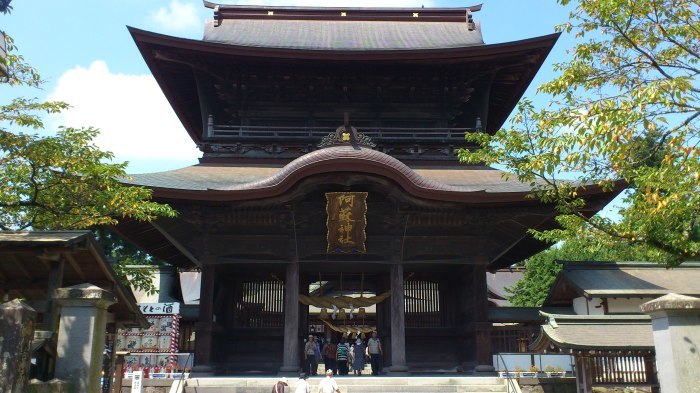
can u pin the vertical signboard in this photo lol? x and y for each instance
(347, 219)
(137, 382)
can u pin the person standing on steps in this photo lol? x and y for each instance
(317, 355)
(329, 353)
(358, 361)
(279, 385)
(374, 349)
(342, 356)
(310, 355)
(328, 384)
(302, 385)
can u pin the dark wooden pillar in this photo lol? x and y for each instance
(482, 326)
(290, 360)
(118, 371)
(461, 282)
(205, 327)
(304, 282)
(398, 328)
(584, 374)
(650, 368)
(384, 317)
(57, 266)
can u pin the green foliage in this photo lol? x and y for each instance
(5, 6)
(19, 72)
(626, 106)
(64, 181)
(132, 265)
(585, 243)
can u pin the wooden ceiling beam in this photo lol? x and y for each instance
(75, 265)
(18, 265)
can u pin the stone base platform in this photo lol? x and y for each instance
(352, 384)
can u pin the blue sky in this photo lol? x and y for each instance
(84, 51)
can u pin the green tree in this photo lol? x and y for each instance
(624, 107)
(584, 243)
(133, 265)
(61, 181)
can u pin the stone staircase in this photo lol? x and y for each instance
(349, 384)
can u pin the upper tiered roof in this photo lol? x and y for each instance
(343, 29)
(270, 82)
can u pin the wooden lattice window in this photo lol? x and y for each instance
(423, 304)
(509, 339)
(260, 304)
(623, 369)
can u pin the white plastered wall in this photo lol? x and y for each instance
(618, 305)
(583, 306)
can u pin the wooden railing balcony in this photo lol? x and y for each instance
(315, 134)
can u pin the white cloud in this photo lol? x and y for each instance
(136, 121)
(178, 16)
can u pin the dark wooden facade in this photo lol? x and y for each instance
(253, 215)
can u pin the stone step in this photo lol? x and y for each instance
(368, 384)
(342, 389)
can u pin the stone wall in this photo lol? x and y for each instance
(16, 334)
(568, 385)
(547, 385)
(52, 386)
(151, 385)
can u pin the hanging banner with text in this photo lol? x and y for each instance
(160, 308)
(347, 219)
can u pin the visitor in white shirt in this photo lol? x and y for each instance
(328, 384)
(302, 385)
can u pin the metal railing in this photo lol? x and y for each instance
(179, 385)
(509, 380)
(316, 133)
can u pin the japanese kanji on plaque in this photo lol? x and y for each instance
(347, 219)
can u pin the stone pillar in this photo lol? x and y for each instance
(81, 335)
(205, 326)
(398, 328)
(675, 320)
(16, 334)
(290, 360)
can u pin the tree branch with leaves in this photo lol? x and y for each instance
(626, 106)
(62, 180)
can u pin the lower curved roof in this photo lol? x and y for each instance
(471, 186)
(221, 182)
(595, 332)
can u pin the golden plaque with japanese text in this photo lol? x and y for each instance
(347, 219)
